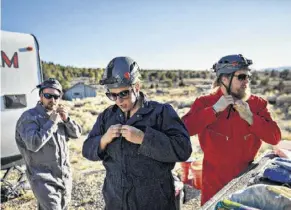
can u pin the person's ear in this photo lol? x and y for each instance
(225, 79)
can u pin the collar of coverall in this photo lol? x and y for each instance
(40, 109)
(144, 109)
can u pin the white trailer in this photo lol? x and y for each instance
(20, 73)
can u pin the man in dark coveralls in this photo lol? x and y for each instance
(138, 141)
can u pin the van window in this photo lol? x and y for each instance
(15, 101)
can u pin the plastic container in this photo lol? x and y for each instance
(196, 169)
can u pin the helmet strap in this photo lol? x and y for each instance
(136, 100)
(230, 81)
(229, 92)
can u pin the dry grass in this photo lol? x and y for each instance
(86, 111)
(286, 135)
(78, 162)
(28, 196)
(282, 99)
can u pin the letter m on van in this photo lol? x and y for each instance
(9, 62)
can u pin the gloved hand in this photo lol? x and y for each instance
(222, 103)
(244, 111)
(55, 117)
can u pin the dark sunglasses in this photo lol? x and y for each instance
(50, 96)
(122, 95)
(242, 77)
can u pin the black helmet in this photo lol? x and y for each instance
(230, 64)
(50, 83)
(120, 72)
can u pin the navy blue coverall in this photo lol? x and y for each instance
(138, 177)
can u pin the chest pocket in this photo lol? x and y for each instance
(218, 136)
(248, 137)
(41, 120)
(219, 143)
(152, 121)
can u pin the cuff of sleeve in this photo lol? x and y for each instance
(68, 120)
(145, 145)
(69, 123)
(100, 152)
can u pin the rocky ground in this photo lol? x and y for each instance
(87, 195)
(87, 187)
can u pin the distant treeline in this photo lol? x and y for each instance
(65, 74)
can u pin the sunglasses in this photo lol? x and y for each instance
(122, 95)
(50, 96)
(242, 77)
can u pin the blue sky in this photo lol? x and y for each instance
(158, 34)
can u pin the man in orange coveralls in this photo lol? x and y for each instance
(230, 123)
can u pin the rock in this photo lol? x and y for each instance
(272, 100)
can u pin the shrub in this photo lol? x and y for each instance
(265, 81)
(169, 83)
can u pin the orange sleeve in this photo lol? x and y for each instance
(198, 117)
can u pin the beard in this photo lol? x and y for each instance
(242, 93)
(50, 106)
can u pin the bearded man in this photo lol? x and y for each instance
(231, 124)
(41, 136)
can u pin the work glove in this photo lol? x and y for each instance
(244, 111)
(223, 103)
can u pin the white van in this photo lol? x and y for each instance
(20, 73)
